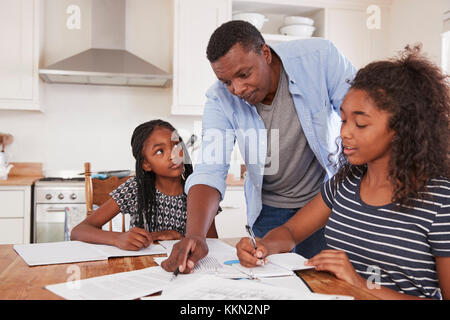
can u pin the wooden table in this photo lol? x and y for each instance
(18, 281)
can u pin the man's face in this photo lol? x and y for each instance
(246, 73)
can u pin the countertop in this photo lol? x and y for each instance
(26, 173)
(230, 181)
(23, 174)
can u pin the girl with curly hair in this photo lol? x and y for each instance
(387, 210)
(154, 198)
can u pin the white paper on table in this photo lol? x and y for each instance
(213, 263)
(123, 285)
(112, 251)
(289, 260)
(216, 247)
(291, 282)
(266, 270)
(58, 252)
(75, 251)
(210, 287)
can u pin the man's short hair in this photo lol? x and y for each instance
(230, 33)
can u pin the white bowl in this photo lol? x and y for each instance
(256, 19)
(288, 20)
(298, 30)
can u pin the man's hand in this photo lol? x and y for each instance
(185, 254)
(134, 239)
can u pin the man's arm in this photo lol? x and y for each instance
(202, 205)
(205, 187)
(339, 71)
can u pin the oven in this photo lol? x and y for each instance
(59, 205)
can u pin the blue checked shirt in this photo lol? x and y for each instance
(317, 74)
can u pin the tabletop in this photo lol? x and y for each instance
(18, 281)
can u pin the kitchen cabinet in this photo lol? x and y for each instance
(230, 223)
(15, 209)
(194, 22)
(347, 28)
(19, 65)
(342, 22)
(345, 23)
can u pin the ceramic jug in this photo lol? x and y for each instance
(4, 166)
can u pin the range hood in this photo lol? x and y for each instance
(107, 62)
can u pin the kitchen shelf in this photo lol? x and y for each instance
(275, 12)
(277, 38)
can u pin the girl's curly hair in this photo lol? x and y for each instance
(417, 95)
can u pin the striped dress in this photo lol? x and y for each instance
(389, 245)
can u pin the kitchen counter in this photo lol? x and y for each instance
(23, 174)
(230, 181)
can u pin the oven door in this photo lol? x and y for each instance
(51, 223)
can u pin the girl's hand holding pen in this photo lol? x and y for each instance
(134, 239)
(249, 256)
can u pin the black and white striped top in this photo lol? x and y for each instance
(389, 245)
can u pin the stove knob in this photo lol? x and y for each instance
(73, 196)
(48, 196)
(60, 196)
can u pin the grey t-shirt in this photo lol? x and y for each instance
(299, 175)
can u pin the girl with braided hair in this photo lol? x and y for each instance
(154, 198)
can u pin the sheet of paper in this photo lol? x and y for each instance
(58, 252)
(209, 287)
(291, 282)
(76, 251)
(112, 251)
(289, 260)
(214, 263)
(216, 247)
(267, 270)
(123, 285)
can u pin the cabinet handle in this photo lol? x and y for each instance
(55, 209)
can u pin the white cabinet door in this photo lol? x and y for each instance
(19, 54)
(230, 223)
(195, 21)
(347, 28)
(15, 214)
(11, 231)
(12, 203)
(348, 31)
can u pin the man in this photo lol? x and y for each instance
(291, 93)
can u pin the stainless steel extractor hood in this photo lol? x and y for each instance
(107, 62)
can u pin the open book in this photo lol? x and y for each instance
(280, 264)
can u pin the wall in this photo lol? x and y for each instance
(415, 21)
(94, 123)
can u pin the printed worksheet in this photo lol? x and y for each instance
(209, 287)
(216, 262)
(117, 286)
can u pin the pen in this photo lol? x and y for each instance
(177, 271)
(252, 237)
(251, 234)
